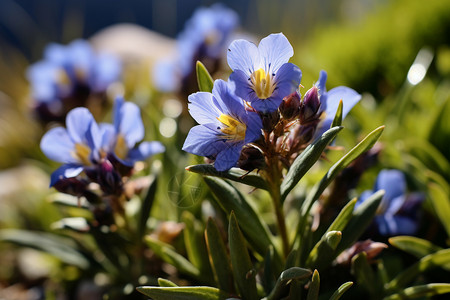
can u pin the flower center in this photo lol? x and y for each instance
(121, 148)
(82, 153)
(234, 129)
(262, 84)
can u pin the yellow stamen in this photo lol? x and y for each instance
(121, 148)
(63, 78)
(82, 153)
(234, 130)
(262, 84)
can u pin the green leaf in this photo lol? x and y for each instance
(232, 174)
(230, 199)
(146, 207)
(430, 261)
(313, 291)
(441, 203)
(337, 121)
(57, 246)
(426, 290)
(204, 80)
(166, 283)
(413, 245)
(341, 290)
(344, 217)
(194, 242)
(306, 160)
(294, 273)
(324, 250)
(365, 277)
(220, 262)
(167, 253)
(243, 270)
(318, 189)
(269, 273)
(183, 293)
(362, 217)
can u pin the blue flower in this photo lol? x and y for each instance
(262, 73)
(205, 37)
(329, 102)
(122, 138)
(76, 146)
(225, 125)
(398, 211)
(70, 73)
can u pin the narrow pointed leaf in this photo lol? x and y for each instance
(337, 121)
(230, 199)
(306, 160)
(147, 207)
(57, 246)
(169, 255)
(324, 251)
(313, 291)
(344, 217)
(220, 262)
(269, 274)
(413, 245)
(194, 242)
(183, 293)
(232, 174)
(365, 277)
(166, 283)
(421, 291)
(428, 262)
(294, 273)
(441, 203)
(243, 270)
(318, 189)
(362, 217)
(341, 290)
(204, 80)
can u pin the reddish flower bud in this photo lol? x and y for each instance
(290, 107)
(251, 158)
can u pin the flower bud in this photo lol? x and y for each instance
(269, 120)
(109, 179)
(310, 106)
(73, 186)
(290, 107)
(251, 158)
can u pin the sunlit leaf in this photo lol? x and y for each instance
(313, 291)
(285, 278)
(183, 293)
(421, 291)
(166, 283)
(441, 203)
(344, 217)
(306, 160)
(413, 245)
(337, 121)
(204, 80)
(324, 251)
(232, 174)
(341, 290)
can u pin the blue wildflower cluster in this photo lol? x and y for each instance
(258, 117)
(103, 153)
(205, 37)
(71, 76)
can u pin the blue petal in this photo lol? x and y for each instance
(266, 105)
(145, 150)
(58, 146)
(242, 86)
(395, 205)
(321, 83)
(227, 101)
(275, 50)
(228, 157)
(65, 171)
(287, 80)
(129, 123)
(244, 56)
(107, 70)
(254, 127)
(392, 182)
(389, 225)
(348, 96)
(107, 135)
(203, 141)
(202, 108)
(78, 123)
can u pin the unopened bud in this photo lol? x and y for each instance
(269, 120)
(109, 179)
(310, 106)
(251, 158)
(290, 107)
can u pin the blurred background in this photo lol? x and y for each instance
(396, 53)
